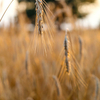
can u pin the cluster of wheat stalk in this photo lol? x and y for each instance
(46, 65)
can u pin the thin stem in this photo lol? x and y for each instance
(5, 10)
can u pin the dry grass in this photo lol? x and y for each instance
(33, 67)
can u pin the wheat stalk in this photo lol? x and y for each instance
(4, 77)
(57, 85)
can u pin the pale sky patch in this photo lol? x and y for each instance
(92, 19)
(11, 12)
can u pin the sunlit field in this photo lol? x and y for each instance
(47, 63)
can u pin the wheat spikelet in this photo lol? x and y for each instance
(66, 48)
(77, 72)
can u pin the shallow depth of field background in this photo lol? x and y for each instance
(28, 74)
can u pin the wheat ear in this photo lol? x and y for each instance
(80, 50)
(66, 48)
(39, 13)
(42, 38)
(66, 63)
(97, 89)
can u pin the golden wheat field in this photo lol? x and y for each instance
(48, 64)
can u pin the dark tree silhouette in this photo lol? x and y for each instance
(73, 3)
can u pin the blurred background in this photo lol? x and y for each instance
(85, 13)
(33, 67)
